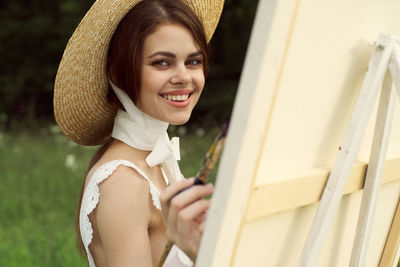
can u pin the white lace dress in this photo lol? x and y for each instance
(176, 257)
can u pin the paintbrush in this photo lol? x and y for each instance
(211, 157)
(209, 162)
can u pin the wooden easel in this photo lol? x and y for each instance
(383, 71)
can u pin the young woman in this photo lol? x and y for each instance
(148, 59)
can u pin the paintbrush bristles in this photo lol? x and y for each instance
(212, 155)
(209, 162)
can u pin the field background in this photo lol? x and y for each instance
(41, 176)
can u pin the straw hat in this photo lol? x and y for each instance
(80, 93)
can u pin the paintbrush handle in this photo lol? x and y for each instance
(164, 253)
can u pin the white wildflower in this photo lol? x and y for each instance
(70, 161)
(182, 131)
(200, 132)
(54, 129)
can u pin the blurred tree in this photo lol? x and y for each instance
(32, 38)
(34, 34)
(228, 50)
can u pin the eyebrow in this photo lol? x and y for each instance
(171, 55)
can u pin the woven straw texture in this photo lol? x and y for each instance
(80, 103)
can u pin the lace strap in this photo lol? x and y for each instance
(91, 198)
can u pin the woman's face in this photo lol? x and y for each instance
(172, 75)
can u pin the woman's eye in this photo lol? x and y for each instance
(162, 63)
(194, 61)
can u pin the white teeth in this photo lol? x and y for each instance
(176, 97)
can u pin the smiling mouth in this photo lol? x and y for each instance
(177, 98)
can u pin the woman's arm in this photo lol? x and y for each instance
(122, 217)
(184, 214)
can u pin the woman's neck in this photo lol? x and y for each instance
(120, 148)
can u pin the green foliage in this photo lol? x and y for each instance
(34, 34)
(228, 50)
(41, 177)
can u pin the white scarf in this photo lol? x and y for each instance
(143, 132)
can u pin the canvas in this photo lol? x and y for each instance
(304, 68)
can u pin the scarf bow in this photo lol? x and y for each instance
(143, 132)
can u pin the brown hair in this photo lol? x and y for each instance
(125, 54)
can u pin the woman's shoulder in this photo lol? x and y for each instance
(117, 172)
(119, 154)
(118, 189)
(123, 183)
(116, 167)
(117, 178)
(122, 170)
(117, 157)
(120, 177)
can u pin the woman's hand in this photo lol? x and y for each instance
(184, 214)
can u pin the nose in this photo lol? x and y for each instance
(181, 75)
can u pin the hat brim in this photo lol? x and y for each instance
(81, 108)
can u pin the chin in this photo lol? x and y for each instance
(179, 121)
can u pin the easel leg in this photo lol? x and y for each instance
(340, 172)
(392, 245)
(374, 173)
(395, 68)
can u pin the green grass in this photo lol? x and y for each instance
(41, 173)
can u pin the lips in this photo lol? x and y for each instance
(177, 98)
